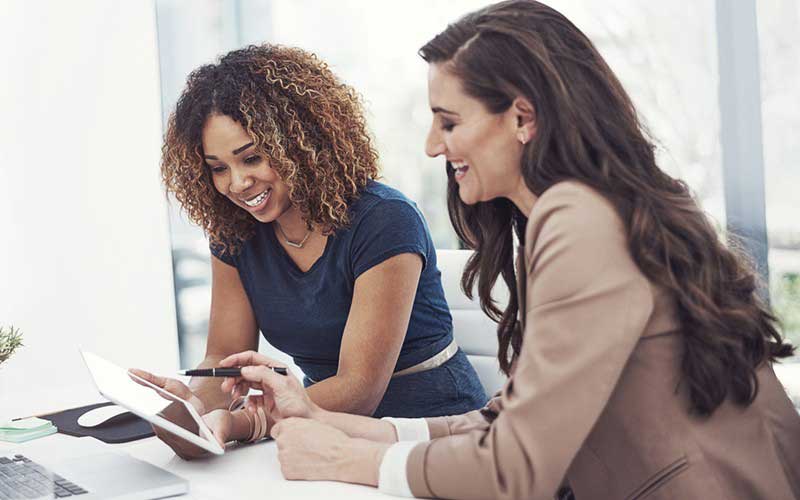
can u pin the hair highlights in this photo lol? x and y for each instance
(308, 124)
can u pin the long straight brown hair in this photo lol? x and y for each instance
(588, 130)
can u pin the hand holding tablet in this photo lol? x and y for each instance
(145, 394)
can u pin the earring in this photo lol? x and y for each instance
(522, 138)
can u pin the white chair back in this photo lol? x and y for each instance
(475, 332)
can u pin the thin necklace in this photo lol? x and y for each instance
(290, 242)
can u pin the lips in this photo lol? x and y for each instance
(258, 202)
(258, 199)
(459, 169)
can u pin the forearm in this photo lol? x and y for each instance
(339, 404)
(363, 462)
(345, 394)
(358, 426)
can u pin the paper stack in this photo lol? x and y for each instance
(25, 429)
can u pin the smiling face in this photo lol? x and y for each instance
(240, 173)
(484, 148)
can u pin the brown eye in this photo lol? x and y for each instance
(251, 160)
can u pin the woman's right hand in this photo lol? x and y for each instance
(283, 395)
(177, 413)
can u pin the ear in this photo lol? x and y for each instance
(526, 119)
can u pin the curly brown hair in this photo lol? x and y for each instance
(298, 114)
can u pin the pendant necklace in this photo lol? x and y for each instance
(292, 243)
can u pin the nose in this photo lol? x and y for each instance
(241, 180)
(434, 146)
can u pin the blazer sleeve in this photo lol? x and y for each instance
(587, 305)
(467, 422)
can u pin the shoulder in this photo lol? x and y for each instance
(575, 202)
(575, 207)
(376, 192)
(575, 240)
(573, 222)
(385, 223)
(377, 200)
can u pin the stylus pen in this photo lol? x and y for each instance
(225, 372)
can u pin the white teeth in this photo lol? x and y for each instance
(258, 199)
(461, 167)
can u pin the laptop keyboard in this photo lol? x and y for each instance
(21, 477)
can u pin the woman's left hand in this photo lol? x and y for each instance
(311, 450)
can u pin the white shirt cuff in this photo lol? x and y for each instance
(410, 429)
(392, 479)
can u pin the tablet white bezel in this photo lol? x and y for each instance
(206, 440)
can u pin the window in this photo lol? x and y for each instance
(779, 50)
(664, 53)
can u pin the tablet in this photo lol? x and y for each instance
(117, 385)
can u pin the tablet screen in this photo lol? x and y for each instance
(146, 401)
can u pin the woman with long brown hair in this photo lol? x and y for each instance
(638, 353)
(269, 153)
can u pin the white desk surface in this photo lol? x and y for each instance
(243, 472)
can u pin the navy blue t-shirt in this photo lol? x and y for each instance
(304, 313)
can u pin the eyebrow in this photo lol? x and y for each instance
(438, 109)
(235, 151)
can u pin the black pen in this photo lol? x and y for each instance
(225, 372)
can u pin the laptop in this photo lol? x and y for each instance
(85, 471)
(88, 469)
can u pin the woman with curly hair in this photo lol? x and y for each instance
(638, 352)
(269, 153)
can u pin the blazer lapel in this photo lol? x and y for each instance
(522, 282)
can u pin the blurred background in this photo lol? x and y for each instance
(90, 248)
(665, 53)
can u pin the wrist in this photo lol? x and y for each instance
(389, 432)
(367, 457)
(241, 426)
(320, 414)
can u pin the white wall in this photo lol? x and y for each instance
(84, 241)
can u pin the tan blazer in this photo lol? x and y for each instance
(592, 399)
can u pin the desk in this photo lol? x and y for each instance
(243, 472)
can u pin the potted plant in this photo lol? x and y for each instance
(10, 340)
